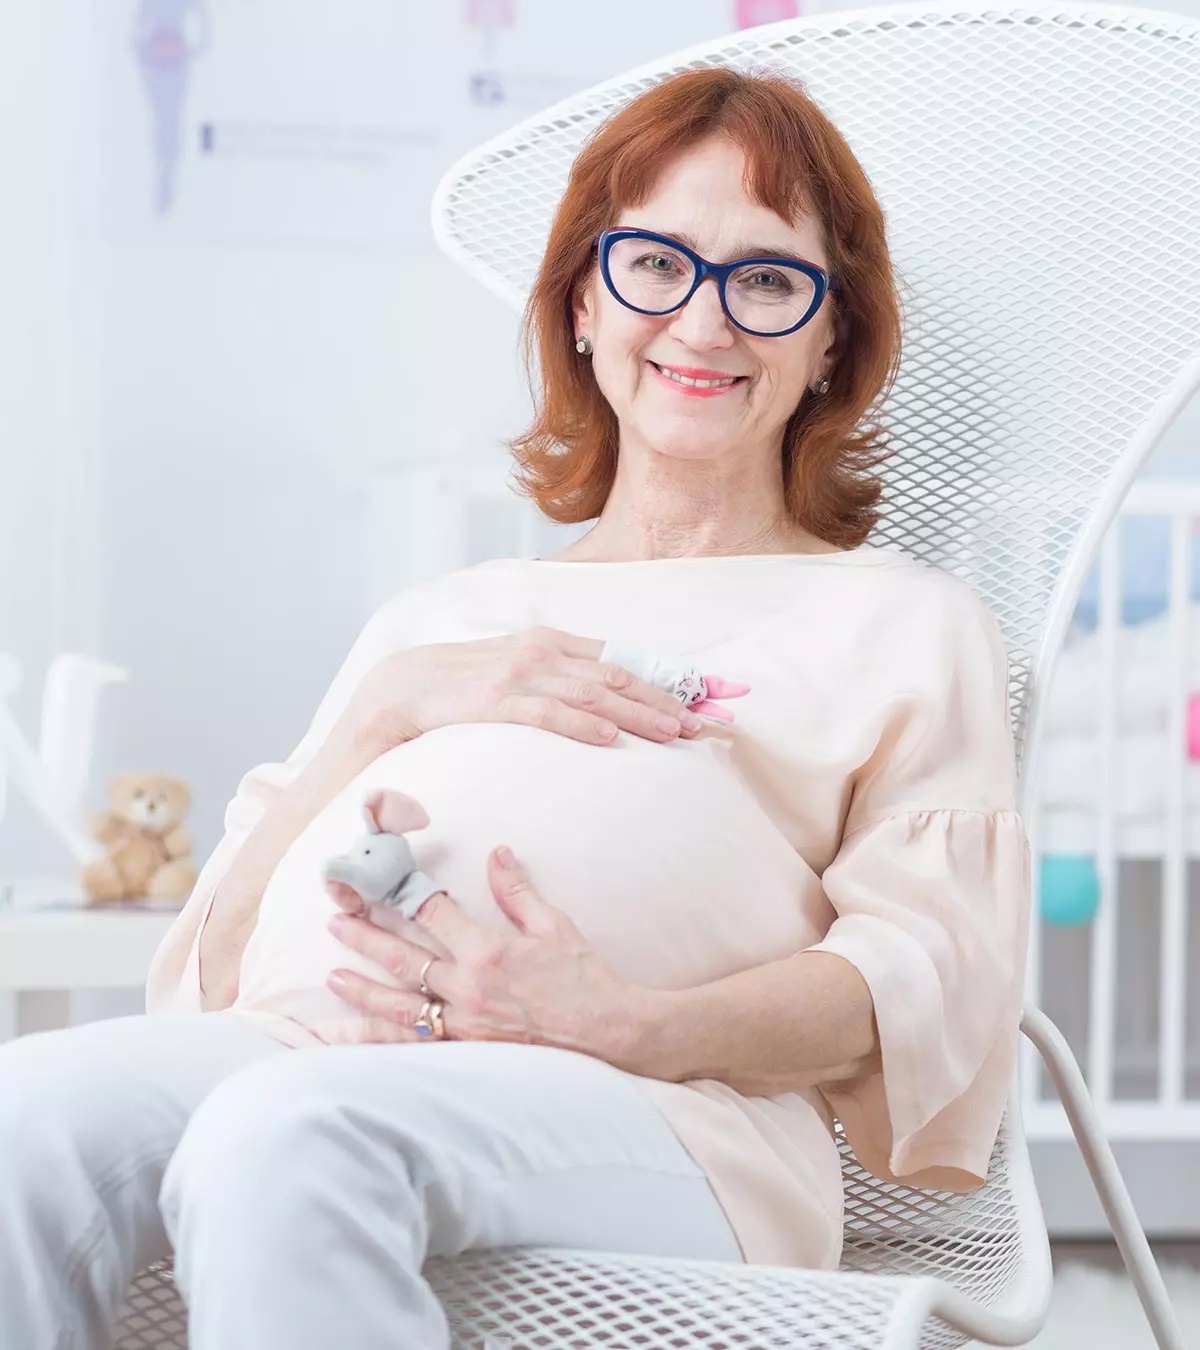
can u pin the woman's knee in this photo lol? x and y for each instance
(69, 1136)
(263, 1140)
(55, 1098)
(36, 1125)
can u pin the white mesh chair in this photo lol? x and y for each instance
(1040, 169)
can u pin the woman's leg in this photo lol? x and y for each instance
(307, 1193)
(89, 1116)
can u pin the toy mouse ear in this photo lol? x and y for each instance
(370, 806)
(395, 812)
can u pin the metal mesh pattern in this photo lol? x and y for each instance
(898, 1230)
(970, 1241)
(1040, 170)
(153, 1317)
(577, 1301)
(524, 1297)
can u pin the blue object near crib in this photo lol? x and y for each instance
(1069, 888)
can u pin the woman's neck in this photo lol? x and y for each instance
(613, 546)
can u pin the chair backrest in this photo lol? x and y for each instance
(988, 1243)
(1040, 171)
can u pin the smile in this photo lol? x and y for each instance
(708, 386)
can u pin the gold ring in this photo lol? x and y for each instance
(430, 1023)
(425, 989)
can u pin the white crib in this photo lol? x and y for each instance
(1114, 781)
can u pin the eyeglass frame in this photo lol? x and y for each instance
(823, 281)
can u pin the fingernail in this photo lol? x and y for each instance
(337, 923)
(336, 979)
(691, 721)
(668, 725)
(505, 858)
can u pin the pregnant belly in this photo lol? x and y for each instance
(659, 853)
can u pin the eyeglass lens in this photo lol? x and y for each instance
(766, 297)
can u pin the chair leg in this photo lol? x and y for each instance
(1110, 1186)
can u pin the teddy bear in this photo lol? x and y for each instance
(147, 848)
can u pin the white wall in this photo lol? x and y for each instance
(53, 583)
(250, 396)
(224, 552)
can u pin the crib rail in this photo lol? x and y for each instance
(1167, 1112)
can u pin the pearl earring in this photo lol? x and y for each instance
(584, 346)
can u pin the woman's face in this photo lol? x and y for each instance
(701, 196)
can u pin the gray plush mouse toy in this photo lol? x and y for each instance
(380, 866)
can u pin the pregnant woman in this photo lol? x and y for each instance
(669, 949)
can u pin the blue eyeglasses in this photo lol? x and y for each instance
(655, 274)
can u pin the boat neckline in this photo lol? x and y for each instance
(861, 553)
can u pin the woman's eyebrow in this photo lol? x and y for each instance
(740, 249)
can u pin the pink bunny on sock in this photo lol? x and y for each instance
(713, 686)
(693, 689)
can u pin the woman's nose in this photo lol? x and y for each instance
(702, 322)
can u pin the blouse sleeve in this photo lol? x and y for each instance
(384, 633)
(931, 888)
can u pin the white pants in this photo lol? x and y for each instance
(301, 1190)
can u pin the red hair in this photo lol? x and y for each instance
(796, 160)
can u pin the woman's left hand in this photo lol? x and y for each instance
(542, 984)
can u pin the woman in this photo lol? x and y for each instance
(716, 935)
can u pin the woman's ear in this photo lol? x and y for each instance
(835, 348)
(582, 311)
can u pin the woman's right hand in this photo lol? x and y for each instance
(541, 676)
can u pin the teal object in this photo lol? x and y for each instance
(1069, 888)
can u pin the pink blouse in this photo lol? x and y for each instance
(862, 802)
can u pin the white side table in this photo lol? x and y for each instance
(44, 954)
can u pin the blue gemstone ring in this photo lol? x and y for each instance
(430, 1023)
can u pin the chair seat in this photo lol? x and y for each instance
(569, 1300)
(578, 1300)
(902, 1248)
